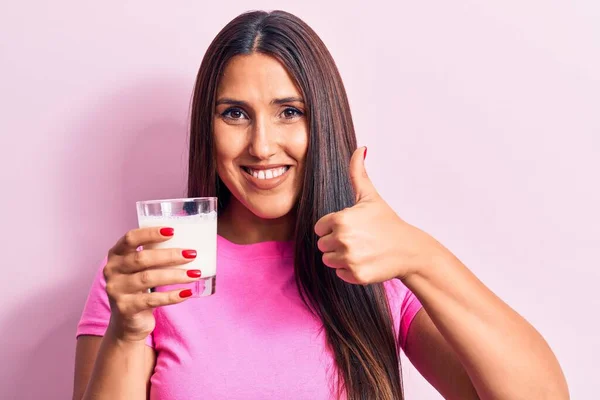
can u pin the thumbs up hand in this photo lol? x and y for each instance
(368, 242)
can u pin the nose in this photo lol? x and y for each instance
(263, 140)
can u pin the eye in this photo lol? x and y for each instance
(234, 113)
(291, 112)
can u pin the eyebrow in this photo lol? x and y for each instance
(233, 102)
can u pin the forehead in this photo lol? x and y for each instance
(256, 77)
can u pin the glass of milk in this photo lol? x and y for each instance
(194, 221)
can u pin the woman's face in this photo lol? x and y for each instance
(261, 135)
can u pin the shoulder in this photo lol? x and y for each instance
(404, 306)
(399, 296)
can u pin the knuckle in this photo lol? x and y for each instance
(110, 288)
(106, 272)
(145, 278)
(343, 239)
(151, 301)
(129, 238)
(350, 259)
(122, 306)
(336, 219)
(109, 270)
(345, 248)
(340, 219)
(346, 265)
(141, 258)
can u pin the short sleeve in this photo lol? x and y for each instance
(404, 306)
(96, 312)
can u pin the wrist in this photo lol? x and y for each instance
(121, 338)
(433, 259)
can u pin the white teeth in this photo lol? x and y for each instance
(267, 173)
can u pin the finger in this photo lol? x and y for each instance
(150, 278)
(145, 301)
(327, 243)
(155, 258)
(324, 226)
(142, 236)
(346, 275)
(333, 260)
(363, 187)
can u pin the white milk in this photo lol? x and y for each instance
(193, 232)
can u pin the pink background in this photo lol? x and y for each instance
(482, 121)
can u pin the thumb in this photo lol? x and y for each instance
(363, 188)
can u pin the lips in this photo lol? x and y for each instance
(266, 177)
(267, 173)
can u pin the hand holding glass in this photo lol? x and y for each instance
(194, 221)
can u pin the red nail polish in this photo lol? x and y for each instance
(365, 153)
(188, 254)
(167, 231)
(194, 273)
(185, 293)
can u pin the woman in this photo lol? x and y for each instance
(320, 282)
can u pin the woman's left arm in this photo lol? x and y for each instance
(502, 354)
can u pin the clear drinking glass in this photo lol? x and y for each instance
(194, 221)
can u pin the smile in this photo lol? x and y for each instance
(266, 177)
(264, 174)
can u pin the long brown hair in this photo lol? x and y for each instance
(356, 319)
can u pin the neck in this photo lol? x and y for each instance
(239, 225)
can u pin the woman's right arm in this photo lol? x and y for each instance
(119, 364)
(104, 361)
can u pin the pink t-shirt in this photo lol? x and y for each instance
(252, 339)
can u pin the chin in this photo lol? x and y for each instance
(270, 209)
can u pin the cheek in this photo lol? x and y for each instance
(228, 145)
(298, 144)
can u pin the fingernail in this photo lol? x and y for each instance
(188, 254)
(185, 293)
(194, 273)
(167, 231)
(365, 153)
